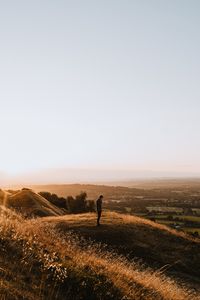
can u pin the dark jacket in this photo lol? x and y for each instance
(99, 204)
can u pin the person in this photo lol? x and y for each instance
(99, 209)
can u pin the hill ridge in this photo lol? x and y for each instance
(58, 265)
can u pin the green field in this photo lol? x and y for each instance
(178, 220)
(191, 218)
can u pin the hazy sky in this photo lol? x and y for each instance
(100, 84)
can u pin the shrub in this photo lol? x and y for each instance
(80, 204)
(54, 199)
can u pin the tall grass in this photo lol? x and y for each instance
(54, 265)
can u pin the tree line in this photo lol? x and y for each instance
(77, 204)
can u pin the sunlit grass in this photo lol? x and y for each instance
(114, 218)
(65, 258)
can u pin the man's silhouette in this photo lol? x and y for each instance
(99, 209)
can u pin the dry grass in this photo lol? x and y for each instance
(116, 218)
(29, 203)
(68, 267)
(109, 218)
(140, 239)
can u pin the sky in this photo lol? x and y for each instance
(100, 85)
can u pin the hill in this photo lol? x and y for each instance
(92, 190)
(120, 188)
(29, 203)
(38, 261)
(157, 245)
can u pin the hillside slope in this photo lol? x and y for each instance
(157, 245)
(38, 262)
(29, 203)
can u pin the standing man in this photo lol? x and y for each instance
(99, 209)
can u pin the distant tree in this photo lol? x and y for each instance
(70, 204)
(80, 204)
(90, 206)
(54, 199)
(46, 195)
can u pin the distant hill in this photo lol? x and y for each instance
(29, 203)
(155, 182)
(92, 190)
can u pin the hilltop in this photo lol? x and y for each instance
(138, 238)
(38, 261)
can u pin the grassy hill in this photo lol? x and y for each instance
(29, 203)
(138, 238)
(43, 259)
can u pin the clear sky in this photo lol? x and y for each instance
(100, 84)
